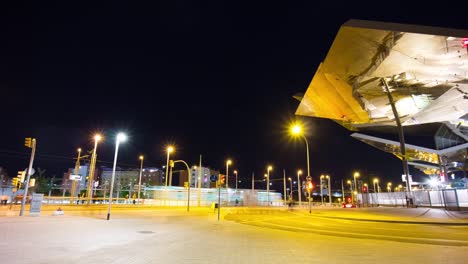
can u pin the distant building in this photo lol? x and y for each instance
(194, 176)
(204, 178)
(126, 180)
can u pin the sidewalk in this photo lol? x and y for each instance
(377, 214)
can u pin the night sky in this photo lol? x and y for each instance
(211, 77)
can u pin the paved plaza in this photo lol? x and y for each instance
(158, 235)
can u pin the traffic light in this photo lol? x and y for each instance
(28, 142)
(15, 182)
(186, 185)
(21, 175)
(309, 186)
(171, 163)
(222, 179)
(32, 182)
(364, 189)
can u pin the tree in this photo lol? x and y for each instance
(42, 184)
(3, 178)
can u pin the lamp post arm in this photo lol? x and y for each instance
(188, 179)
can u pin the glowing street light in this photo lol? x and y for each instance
(269, 168)
(121, 137)
(296, 130)
(141, 158)
(299, 190)
(389, 187)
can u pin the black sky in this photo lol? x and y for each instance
(212, 77)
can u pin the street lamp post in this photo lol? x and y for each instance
(284, 187)
(299, 190)
(92, 166)
(74, 182)
(169, 150)
(268, 184)
(139, 181)
(389, 187)
(376, 188)
(290, 181)
(235, 172)
(228, 162)
(350, 189)
(321, 188)
(297, 130)
(356, 190)
(121, 137)
(342, 191)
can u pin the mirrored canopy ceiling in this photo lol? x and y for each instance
(418, 156)
(426, 69)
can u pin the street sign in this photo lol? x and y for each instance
(32, 171)
(213, 178)
(75, 177)
(135, 187)
(36, 203)
(403, 177)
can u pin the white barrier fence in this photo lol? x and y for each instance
(450, 199)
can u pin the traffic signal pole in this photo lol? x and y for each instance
(219, 195)
(26, 185)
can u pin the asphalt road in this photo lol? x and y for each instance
(357, 223)
(156, 235)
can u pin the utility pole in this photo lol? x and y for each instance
(199, 180)
(30, 143)
(219, 196)
(342, 191)
(329, 190)
(91, 170)
(253, 184)
(284, 185)
(74, 182)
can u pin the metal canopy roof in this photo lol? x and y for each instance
(425, 67)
